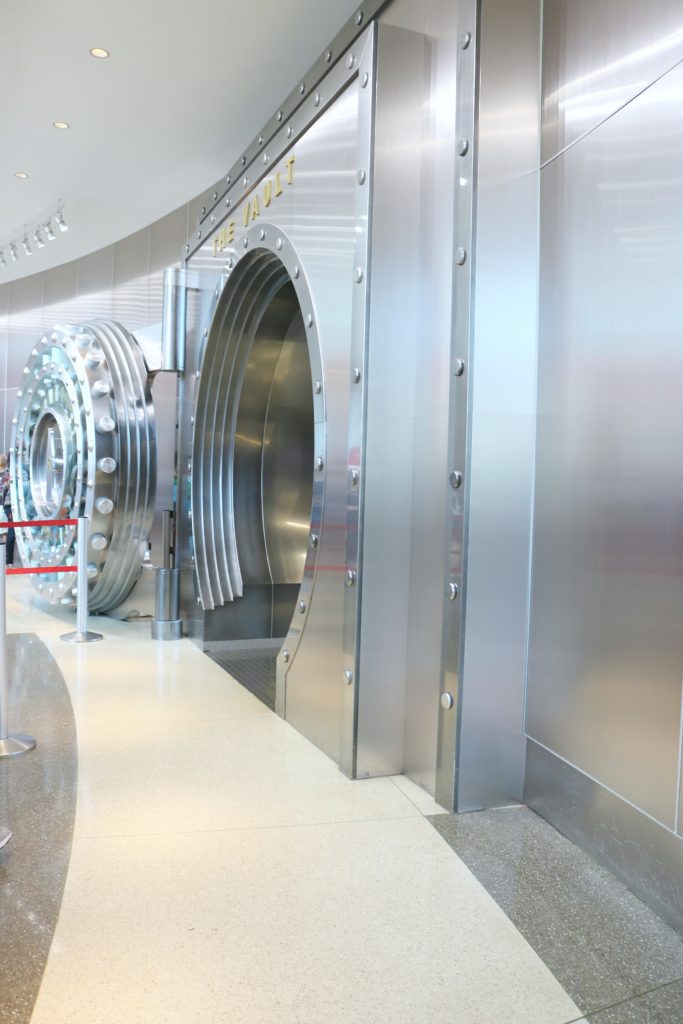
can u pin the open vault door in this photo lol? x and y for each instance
(253, 470)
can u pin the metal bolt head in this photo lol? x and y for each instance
(348, 676)
(447, 701)
(285, 656)
(316, 101)
(262, 233)
(302, 607)
(215, 196)
(309, 320)
(455, 479)
(302, 88)
(279, 115)
(358, 275)
(360, 177)
(355, 475)
(317, 387)
(452, 591)
(313, 540)
(356, 375)
(350, 60)
(359, 18)
(364, 80)
(350, 577)
(465, 40)
(203, 210)
(328, 56)
(460, 256)
(458, 367)
(319, 463)
(463, 147)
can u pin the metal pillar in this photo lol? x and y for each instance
(81, 635)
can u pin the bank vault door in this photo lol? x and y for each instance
(253, 469)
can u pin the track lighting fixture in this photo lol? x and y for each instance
(49, 231)
(38, 238)
(13, 252)
(60, 222)
(28, 251)
(3, 261)
(44, 232)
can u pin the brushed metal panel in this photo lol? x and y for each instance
(4, 326)
(423, 276)
(644, 854)
(502, 408)
(95, 284)
(60, 294)
(599, 56)
(167, 247)
(130, 279)
(25, 324)
(606, 647)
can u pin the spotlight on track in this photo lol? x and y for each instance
(49, 230)
(60, 222)
(28, 251)
(13, 253)
(3, 261)
(38, 238)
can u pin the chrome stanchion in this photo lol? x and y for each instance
(166, 624)
(81, 635)
(11, 744)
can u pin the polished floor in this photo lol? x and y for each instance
(223, 870)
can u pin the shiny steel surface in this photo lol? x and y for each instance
(647, 857)
(84, 444)
(606, 648)
(319, 219)
(499, 480)
(599, 56)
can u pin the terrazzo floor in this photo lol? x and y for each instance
(223, 870)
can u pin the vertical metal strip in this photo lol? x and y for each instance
(467, 22)
(357, 408)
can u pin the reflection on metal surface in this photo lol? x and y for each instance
(252, 464)
(84, 444)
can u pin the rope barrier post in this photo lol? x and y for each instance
(81, 635)
(11, 744)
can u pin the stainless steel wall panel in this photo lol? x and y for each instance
(60, 294)
(95, 284)
(599, 56)
(26, 324)
(4, 327)
(131, 270)
(499, 482)
(606, 648)
(646, 856)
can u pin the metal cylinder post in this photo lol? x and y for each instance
(15, 743)
(81, 635)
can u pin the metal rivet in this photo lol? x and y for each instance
(359, 18)
(313, 540)
(229, 263)
(278, 244)
(316, 101)
(206, 334)
(245, 181)
(228, 201)
(365, 79)
(227, 180)
(465, 40)
(463, 147)
(350, 577)
(354, 477)
(203, 210)
(296, 272)
(447, 701)
(452, 591)
(319, 463)
(279, 115)
(199, 234)
(244, 160)
(317, 387)
(460, 256)
(350, 60)
(260, 140)
(213, 218)
(302, 88)
(290, 131)
(309, 320)
(215, 196)
(302, 607)
(262, 233)
(348, 676)
(360, 177)
(455, 479)
(246, 242)
(265, 158)
(458, 367)
(328, 56)
(187, 247)
(358, 275)
(285, 656)
(356, 375)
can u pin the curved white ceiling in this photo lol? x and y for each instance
(186, 88)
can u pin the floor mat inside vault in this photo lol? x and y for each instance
(252, 663)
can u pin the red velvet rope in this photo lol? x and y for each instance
(11, 523)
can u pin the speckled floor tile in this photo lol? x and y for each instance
(231, 773)
(599, 940)
(425, 803)
(663, 1006)
(37, 801)
(372, 922)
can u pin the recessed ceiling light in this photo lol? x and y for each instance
(60, 124)
(97, 51)
(20, 174)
